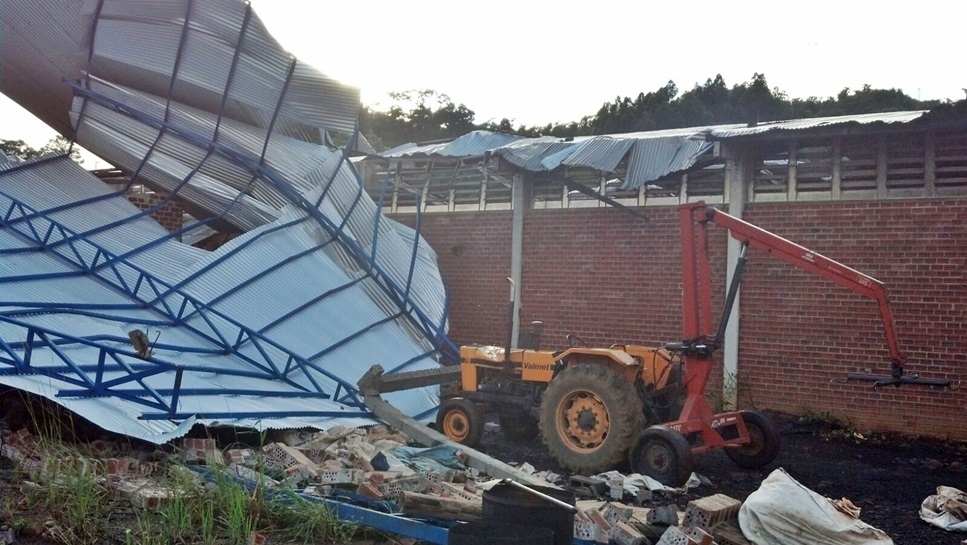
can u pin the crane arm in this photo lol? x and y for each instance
(695, 218)
(815, 263)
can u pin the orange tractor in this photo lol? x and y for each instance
(594, 407)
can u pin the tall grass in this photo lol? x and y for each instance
(77, 505)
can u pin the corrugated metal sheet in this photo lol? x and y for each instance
(318, 289)
(653, 154)
(654, 158)
(814, 123)
(273, 285)
(529, 154)
(472, 144)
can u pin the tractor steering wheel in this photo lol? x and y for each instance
(573, 340)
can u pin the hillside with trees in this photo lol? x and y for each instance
(422, 116)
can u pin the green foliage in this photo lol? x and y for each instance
(416, 116)
(308, 522)
(426, 116)
(57, 144)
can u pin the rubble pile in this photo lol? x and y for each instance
(376, 466)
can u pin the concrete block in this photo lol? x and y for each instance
(712, 510)
(605, 534)
(597, 487)
(623, 534)
(729, 533)
(699, 536)
(616, 487)
(663, 514)
(368, 490)
(674, 536)
(283, 456)
(142, 494)
(585, 528)
(341, 476)
(242, 457)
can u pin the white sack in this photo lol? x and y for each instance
(784, 512)
(946, 509)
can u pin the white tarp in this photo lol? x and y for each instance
(784, 512)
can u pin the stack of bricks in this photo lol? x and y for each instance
(201, 451)
(712, 520)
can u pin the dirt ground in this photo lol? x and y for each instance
(887, 476)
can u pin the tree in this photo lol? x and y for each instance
(18, 148)
(56, 145)
(416, 116)
(420, 116)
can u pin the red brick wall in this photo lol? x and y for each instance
(799, 331)
(473, 249)
(609, 277)
(170, 216)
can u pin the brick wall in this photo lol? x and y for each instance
(799, 332)
(609, 277)
(170, 216)
(473, 249)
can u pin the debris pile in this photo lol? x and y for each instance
(377, 468)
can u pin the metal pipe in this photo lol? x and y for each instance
(733, 292)
(541, 495)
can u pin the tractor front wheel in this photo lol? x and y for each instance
(764, 442)
(664, 455)
(460, 420)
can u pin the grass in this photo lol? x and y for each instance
(835, 427)
(73, 503)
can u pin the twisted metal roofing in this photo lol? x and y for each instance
(472, 144)
(271, 330)
(650, 155)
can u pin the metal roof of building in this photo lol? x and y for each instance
(273, 329)
(815, 123)
(650, 155)
(472, 144)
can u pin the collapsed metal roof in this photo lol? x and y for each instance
(472, 144)
(273, 329)
(650, 155)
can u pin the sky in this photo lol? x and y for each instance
(537, 62)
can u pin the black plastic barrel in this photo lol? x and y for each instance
(508, 504)
(490, 533)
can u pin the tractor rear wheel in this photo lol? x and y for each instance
(590, 417)
(460, 420)
(664, 455)
(765, 441)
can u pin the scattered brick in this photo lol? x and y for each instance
(712, 510)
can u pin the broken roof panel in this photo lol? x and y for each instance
(271, 330)
(650, 155)
(472, 144)
(270, 324)
(653, 154)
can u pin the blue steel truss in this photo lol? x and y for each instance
(106, 365)
(173, 307)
